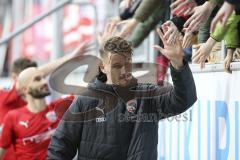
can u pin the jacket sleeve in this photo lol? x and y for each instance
(145, 9)
(65, 141)
(127, 13)
(179, 97)
(234, 2)
(144, 29)
(216, 1)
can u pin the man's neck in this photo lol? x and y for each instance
(36, 105)
(109, 82)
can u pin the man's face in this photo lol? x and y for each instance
(38, 87)
(118, 69)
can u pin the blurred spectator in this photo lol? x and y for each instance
(10, 98)
(143, 29)
(145, 19)
(199, 16)
(183, 7)
(141, 32)
(230, 33)
(146, 8)
(224, 13)
(181, 11)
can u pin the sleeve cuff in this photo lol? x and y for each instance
(234, 2)
(179, 22)
(184, 67)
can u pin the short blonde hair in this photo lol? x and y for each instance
(116, 45)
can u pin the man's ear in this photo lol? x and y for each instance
(21, 89)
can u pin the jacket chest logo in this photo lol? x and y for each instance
(131, 106)
(51, 116)
(103, 117)
(23, 123)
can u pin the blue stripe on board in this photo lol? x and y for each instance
(208, 131)
(199, 130)
(236, 130)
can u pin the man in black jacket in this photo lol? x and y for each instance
(122, 124)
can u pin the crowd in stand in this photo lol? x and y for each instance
(201, 24)
(193, 34)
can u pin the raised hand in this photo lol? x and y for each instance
(183, 7)
(128, 27)
(173, 51)
(203, 52)
(82, 49)
(228, 60)
(199, 17)
(126, 3)
(115, 19)
(109, 31)
(222, 15)
(172, 32)
(187, 40)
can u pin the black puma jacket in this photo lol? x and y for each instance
(126, 131)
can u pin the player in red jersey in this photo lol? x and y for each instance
(29, 128)
(13, 98)
(10, 98)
